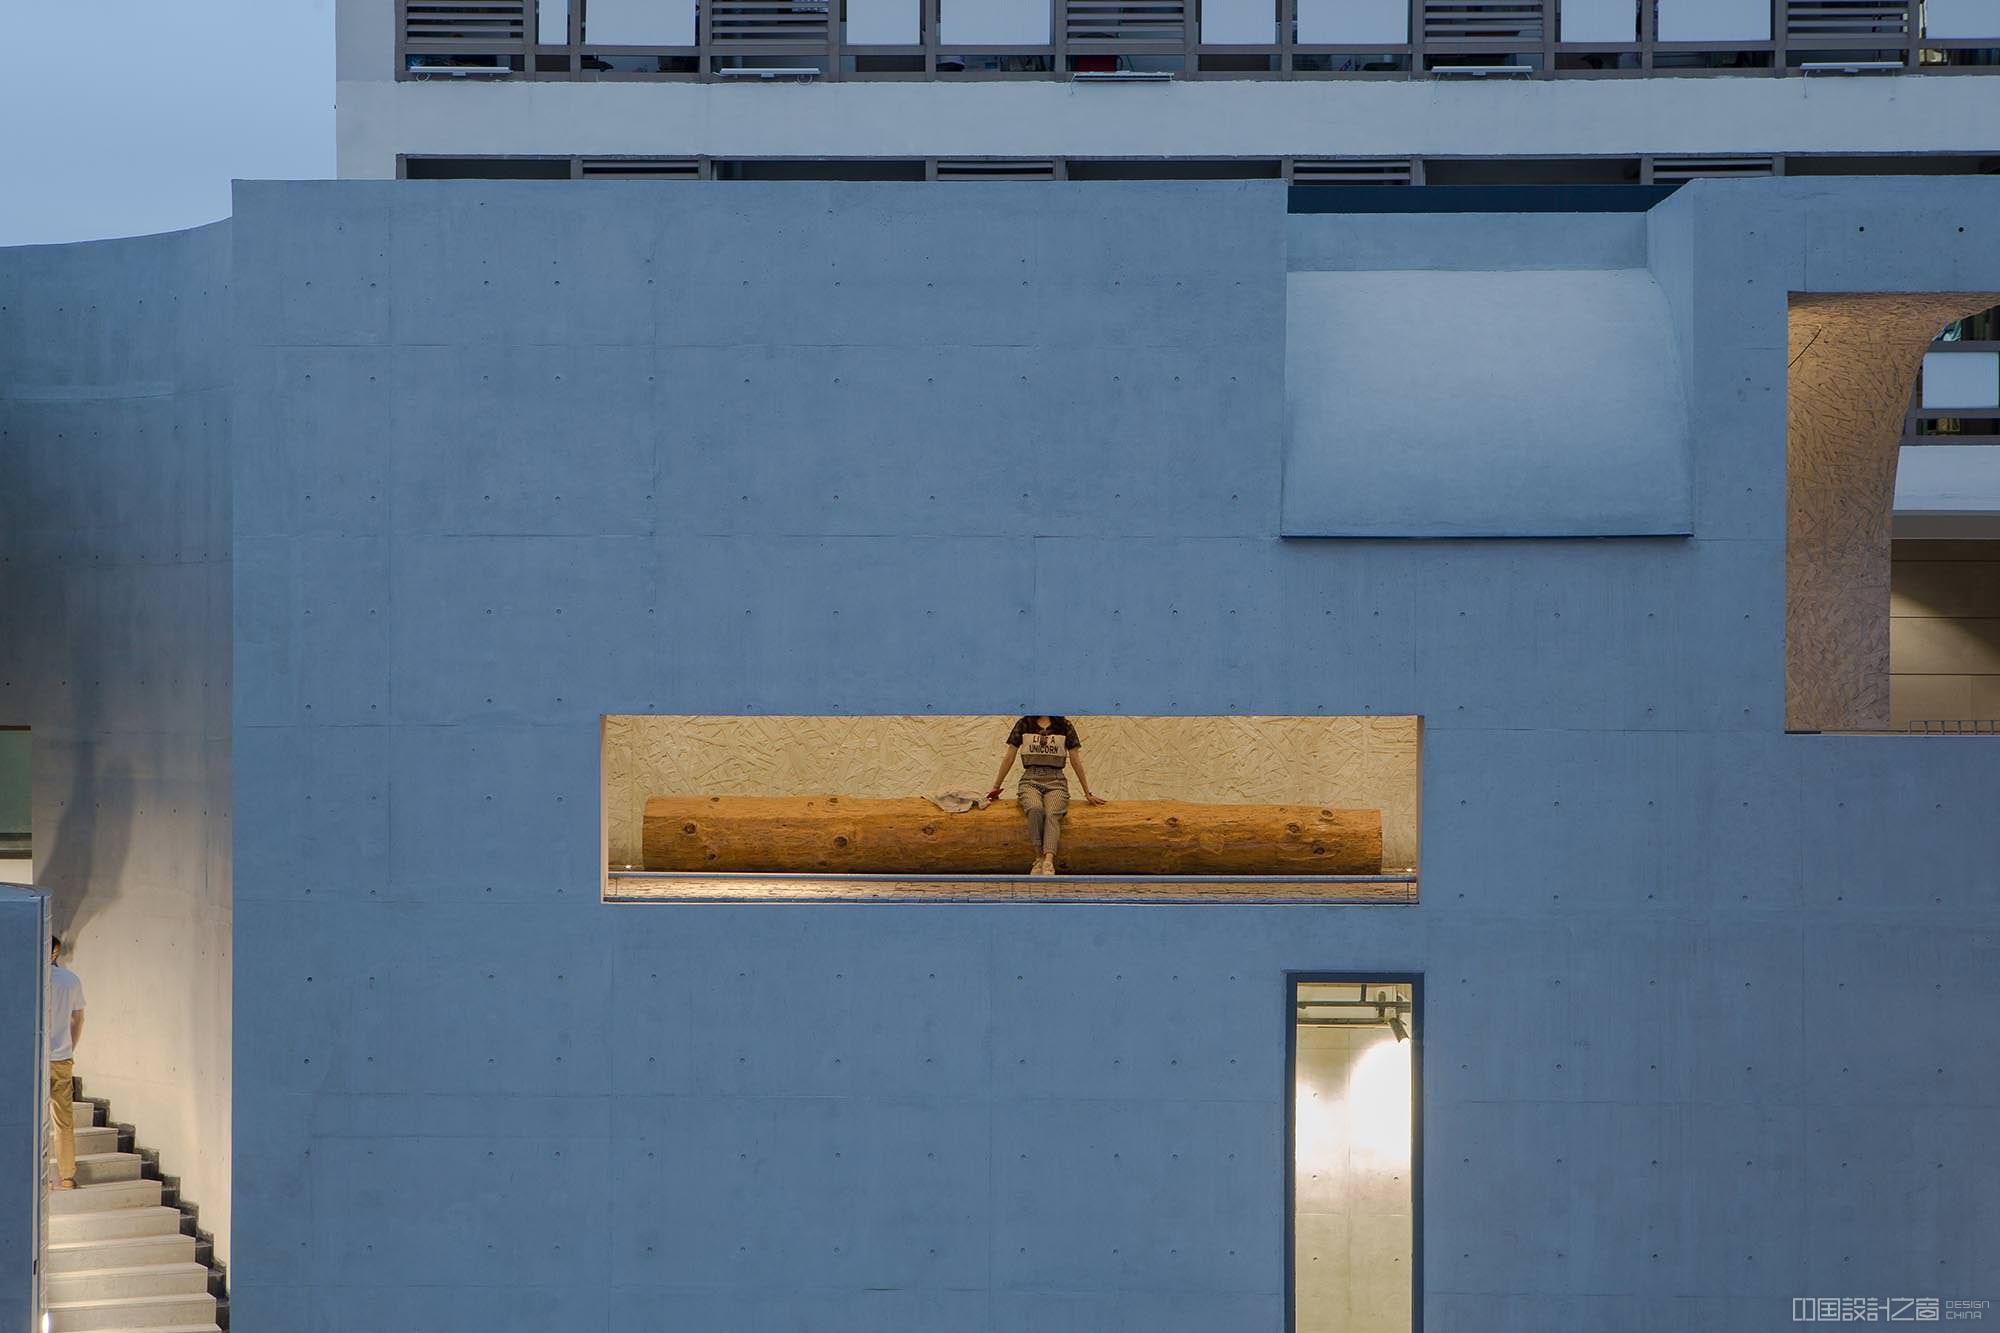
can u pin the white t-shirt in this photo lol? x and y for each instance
(65, 998)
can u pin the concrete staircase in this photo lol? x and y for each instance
(121, 1254)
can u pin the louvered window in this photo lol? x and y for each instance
(1846, 18)
(641, 168)
(1352, 171)
(1679, 170)
(1125, 21)
(1483, 20)
(767, 22)
(996, 169)
(467, 27)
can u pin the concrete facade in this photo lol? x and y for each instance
(509, 458)
(379, 118)
(114, 647)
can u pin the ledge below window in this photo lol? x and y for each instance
(636, 886)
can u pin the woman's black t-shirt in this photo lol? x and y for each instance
(1052, 753)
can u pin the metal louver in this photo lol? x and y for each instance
(1352, 171)
(996, 169)
(1679, 170)
(1846, 18)
(1483, 20)
(767, 22)
(641, 168)
(1125, 21)
(469, 26)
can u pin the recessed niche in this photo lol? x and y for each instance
(870, 807)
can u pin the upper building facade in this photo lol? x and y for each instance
(1364, 91)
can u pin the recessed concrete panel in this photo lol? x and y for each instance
(1365, 242)
(1483, 404)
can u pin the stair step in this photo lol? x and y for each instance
(96, 1139)
(108, 1284)
(82, 1114)
(121, 1252)
(104, 1167)
(131, 1312)
(97, 1198)
(112, 1223)
(164, 1328)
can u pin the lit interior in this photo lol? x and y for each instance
(870, 806)
(1351, 1157)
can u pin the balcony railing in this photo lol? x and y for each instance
(1257, 39)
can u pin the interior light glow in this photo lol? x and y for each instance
(1316, 1128)
(1378, 1105)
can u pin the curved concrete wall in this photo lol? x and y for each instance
(114, 646)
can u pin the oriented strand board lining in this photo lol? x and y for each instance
(1347, 761)
(1854, 358)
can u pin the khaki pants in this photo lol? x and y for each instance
(60, 1092)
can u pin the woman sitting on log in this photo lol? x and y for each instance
(1044, 745)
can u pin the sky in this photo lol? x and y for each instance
(122, 117)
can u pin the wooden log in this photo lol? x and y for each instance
(833, 835)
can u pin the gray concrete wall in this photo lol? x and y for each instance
(509, 458)
(114, 631)
(518, 456)
(24, 1090)
(15, 802)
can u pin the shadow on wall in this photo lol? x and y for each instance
(82, 859)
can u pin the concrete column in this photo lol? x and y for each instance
(24, 966)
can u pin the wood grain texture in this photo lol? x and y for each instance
(1853, 362)
(1359, 762)
(840, 835)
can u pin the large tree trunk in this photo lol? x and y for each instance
(819, 835)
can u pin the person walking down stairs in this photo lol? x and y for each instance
(65, 1019)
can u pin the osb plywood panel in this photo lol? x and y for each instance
(1854, 360)
(1368, 762)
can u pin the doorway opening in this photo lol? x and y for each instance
(1355, 1170)
(1853, 358)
